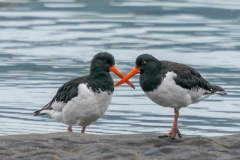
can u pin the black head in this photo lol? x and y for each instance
(146, 62)
(102, 61)
(147, 65)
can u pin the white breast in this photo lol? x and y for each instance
(169, 94)
(58, 106)
(86, 108)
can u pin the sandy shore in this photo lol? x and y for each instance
(69, 146)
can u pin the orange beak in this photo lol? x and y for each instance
(119, 74)
(128, 76)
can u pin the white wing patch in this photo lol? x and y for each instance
(169, 94)
(82, 110)
(58, 106)
(87, 107)
(198, 95)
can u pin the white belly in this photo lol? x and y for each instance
(86, 108)
(169, 94)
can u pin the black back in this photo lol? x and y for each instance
(98, 80)
(154, 71)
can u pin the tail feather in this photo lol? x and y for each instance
(46, 107)
(38, 112)
(218, 90)
(55, 115)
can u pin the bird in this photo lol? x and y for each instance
(171, 84)
(81, 101)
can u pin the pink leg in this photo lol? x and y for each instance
(174, 130)
(69, 129)
(83, 130)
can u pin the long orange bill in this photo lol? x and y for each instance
(117, 72)
(128, 76)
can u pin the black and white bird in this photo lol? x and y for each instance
(83, 100)
(171, 84)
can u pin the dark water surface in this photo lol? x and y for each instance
(44, 43)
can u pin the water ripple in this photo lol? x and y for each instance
(48, 42)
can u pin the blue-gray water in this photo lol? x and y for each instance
(45, 43)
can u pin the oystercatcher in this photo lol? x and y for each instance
(81, 101)
(171, 84)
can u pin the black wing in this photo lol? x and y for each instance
(65, 93)
(189, 78)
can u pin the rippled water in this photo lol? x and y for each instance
(48, 42)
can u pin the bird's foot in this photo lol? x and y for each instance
(172, 134)
(163, 136)
(69, 129)
(174, 130)
(83, 130)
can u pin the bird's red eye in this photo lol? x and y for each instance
(105, 61)
(144, 62)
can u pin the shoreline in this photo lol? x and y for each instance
(134, 146)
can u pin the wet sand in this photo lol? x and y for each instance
(70, 146)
